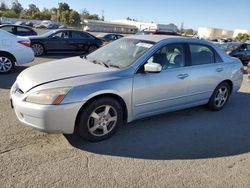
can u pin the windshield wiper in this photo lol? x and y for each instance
(100, 62)
(115, 66)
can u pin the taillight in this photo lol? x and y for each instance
(25, 43)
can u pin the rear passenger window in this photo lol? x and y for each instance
(79, 35)
(9, 29)
(22, 29)
(201, 54)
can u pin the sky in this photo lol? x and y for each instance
(226, 14)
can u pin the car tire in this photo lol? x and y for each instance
(99, 120)
(38, 49)
(7, 63)
(220, 97)
(92, 49)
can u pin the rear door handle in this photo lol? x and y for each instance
(183, 76)
(219, 69)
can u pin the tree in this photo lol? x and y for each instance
(65, 16)
(132, 19)
(32, 10)
(74, 19)
(242, 37)
(3, 7)
(189, 31)
(63, 7)
(86, 15)
(9, 14)
(16, 7)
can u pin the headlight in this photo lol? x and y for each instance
(48, 96)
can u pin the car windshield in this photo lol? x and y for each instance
(121, 53)
(229, 46)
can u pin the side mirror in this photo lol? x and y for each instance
(152, 67)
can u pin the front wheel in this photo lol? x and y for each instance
(100, 119)
(220, 97)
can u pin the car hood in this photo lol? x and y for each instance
(58, 70)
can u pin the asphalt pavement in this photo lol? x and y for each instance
(188, 148)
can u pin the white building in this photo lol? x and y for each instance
(108, 27)
(215, 33)
(150, 26)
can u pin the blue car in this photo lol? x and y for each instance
(18, 30)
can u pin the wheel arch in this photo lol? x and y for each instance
(230, 83)
(108, 95)
(8, 53)
(38, 42)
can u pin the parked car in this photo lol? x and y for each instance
(156, 32)
(239, 50)
(45, 24)
(66, 41)
(14, 50)
(18, 30)
(128, 79)
(109, 37)
(29, 24)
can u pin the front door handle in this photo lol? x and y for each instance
(183, 76)
(219, 69)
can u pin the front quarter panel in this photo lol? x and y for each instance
(121, 87)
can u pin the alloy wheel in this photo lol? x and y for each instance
(221, 97)
(102, 120)
(38, 49)
(5, 64)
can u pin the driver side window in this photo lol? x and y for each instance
(170, 56)
(62, 35)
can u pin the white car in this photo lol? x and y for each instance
(14, 50)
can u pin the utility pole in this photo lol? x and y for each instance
(182, 27)
(103, 15)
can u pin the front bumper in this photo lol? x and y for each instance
(47, 118)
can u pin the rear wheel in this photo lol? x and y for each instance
(38, 49)
(220, 97)
(100, 119)
(7, 63)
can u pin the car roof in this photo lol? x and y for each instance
(158, 38)
(105, 34)
(16, 26)
(69, 30)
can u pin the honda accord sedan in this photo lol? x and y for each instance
(64, 41)
(131, 78)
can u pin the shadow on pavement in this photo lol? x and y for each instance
(7, 80)
(188, 134)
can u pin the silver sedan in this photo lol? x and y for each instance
(131, 78)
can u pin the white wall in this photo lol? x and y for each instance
(145, 25)
(209, 33)
(214, 33)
